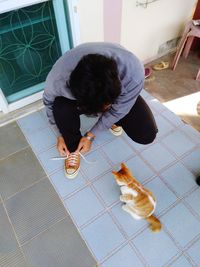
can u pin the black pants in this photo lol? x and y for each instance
(139, 124)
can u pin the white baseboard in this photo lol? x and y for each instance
(146, 61)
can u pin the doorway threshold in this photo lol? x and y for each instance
(6, 118)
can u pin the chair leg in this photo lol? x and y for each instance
(188, 46)
(181, 44)
(178, 52)
(198, 76)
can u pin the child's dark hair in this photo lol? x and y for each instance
(95, 83)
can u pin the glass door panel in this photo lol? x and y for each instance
(29, 46)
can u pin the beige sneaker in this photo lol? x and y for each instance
(72, 165)
(116, 130)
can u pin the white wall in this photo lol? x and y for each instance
(91, 20)
(143, 30)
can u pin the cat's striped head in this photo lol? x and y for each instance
(123, 176)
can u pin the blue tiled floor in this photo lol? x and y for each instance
(32, 123)
(140, 169)
(66, 187)
(103, 236)
(192, 161)
(99, 166)
(164, 126)
(194, 199)
(167, 167)
(158, 156)
(181, 262)
(179, 178)
(178, 143)
(48, 164)
(107, 189)
(187, 228)
(174, 120)
(194, 252)
(124, 257)
(126, 222)
(157, 249)
(165, 197)
(89, 203)
(120, 149)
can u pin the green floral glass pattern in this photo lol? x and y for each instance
(29, 46)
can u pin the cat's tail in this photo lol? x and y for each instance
(154, 224)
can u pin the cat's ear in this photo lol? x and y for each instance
(114, 173)
(123, 166)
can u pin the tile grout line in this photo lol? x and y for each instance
(29, 186)
(12, 154)
(61, 202)
(34, 130)
(173, 190)
(187, 135)
(139, 154)
(99, 175)
(119, 226)
(177, 159)
(176, 155)
(190, 259)
(40, 151)
(191, 242)
(170, 121)
(47, 125)
(173, 259)
(37, 155)
(182, 249)
(92, 253)
(121, 230)
(51, 226)
(28, 139)
(22, 115)
(188, 167)
(79, 231)
(15, 234)
(53, 146)
(68, 214)
(195, 214)
(89, 223)
(139, 231)
(137, 252)
(176, 257)
(69, 195)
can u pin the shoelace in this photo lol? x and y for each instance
(66, 157)
(73, 159)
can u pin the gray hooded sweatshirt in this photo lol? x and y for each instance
(131, 75)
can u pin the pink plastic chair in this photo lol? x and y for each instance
(198, 76)
(190, 32)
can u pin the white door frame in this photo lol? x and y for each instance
(8, 5)
(74, 21)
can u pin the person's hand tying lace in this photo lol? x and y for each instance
(85, 143)
(61, 146)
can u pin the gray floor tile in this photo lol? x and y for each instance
(19, 171)
(11, 139)
(10, 254)
(61, 245)
(35, 210)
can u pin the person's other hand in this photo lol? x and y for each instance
(61, 146)
(84, 145)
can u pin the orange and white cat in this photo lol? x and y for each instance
(140, 202)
